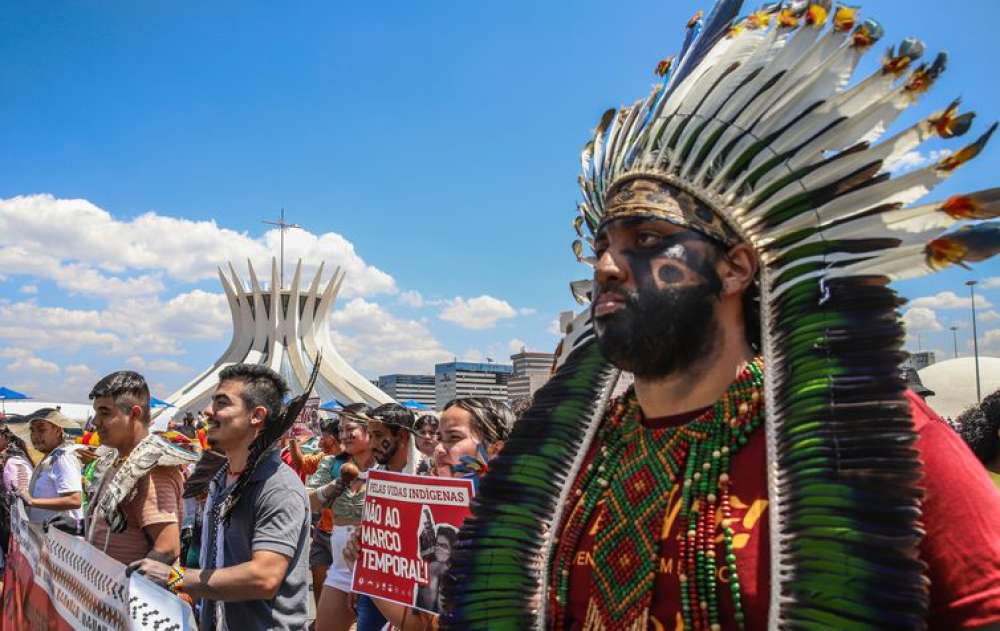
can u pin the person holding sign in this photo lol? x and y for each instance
(346, 500)
(472, 432)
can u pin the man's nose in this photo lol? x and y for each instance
(610, 268)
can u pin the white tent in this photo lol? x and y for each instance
(954, 383)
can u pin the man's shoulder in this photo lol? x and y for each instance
(166, 475)
(282, 479)
(924, 417)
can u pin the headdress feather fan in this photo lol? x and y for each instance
(756, 121)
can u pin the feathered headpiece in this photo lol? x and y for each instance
(755, 136)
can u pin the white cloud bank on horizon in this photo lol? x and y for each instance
(481, 312)
(128, 266)
(94, 247)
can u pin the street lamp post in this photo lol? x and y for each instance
(975, 337)
(954, 339)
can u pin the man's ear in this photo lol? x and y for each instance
(258, 416)
(135, 413)
(737, 269)
(495, 448)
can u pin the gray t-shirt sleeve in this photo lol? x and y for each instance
(280, 516)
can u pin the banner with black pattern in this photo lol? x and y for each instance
(57, 582)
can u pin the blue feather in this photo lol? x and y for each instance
(712, 30)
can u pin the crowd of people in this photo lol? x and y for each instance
(246, 532)
(291, 521)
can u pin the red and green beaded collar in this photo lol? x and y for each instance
(648, 462)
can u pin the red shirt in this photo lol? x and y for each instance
(962, 547)
(286, 457)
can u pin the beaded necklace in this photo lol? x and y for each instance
(632, 472)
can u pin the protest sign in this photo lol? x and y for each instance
(57, 582)
(408, 531)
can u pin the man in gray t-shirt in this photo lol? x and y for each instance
(273, 515)
(255, 573)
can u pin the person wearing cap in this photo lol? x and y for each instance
(391, 432)
(394, 449)
(346, 501)
(56, 487)
(913, 382)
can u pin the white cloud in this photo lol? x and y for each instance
(527, 311)
(481, 312)
(949, 300)
(376, 342)
(29, 289)
(411, 298)
(24, 361)
(473, 355)
(76, 278)
(990, 283)
(921, 319)
(139, 363)
(989, 343)
(79, 377)
(123, 327)
(912, 160)
(553, 327)
(987, 316)
(183, 249)
(516, 346)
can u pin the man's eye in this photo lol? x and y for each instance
(648, 239)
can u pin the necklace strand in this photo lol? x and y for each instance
(696, 454)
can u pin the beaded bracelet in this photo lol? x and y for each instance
(175, 582)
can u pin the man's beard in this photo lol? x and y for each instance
(659, 332)
(387, 450)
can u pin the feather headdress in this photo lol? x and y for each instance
(755, 121)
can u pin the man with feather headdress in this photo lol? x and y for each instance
(254, 567)
(768, 469)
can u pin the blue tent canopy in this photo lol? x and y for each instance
(413, 405)
(333, 405)
(6, 394)
(159, 403)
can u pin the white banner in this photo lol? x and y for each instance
(57, 582)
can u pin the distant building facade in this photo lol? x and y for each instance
(418, 388)
(920, 360)
(468, 379)
(531, 372)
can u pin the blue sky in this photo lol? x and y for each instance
(439, 142)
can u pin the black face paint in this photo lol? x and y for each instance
(385, 451)
(668, 323)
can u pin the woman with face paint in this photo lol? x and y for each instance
(334, 611)
(472, 431)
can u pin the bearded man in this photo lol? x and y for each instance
(392, 440)
(738, 213)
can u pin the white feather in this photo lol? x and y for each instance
(903, 190)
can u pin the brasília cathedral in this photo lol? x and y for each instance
(283, 328)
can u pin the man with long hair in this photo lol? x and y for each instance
(254, 567)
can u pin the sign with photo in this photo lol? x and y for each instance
(408, 531)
